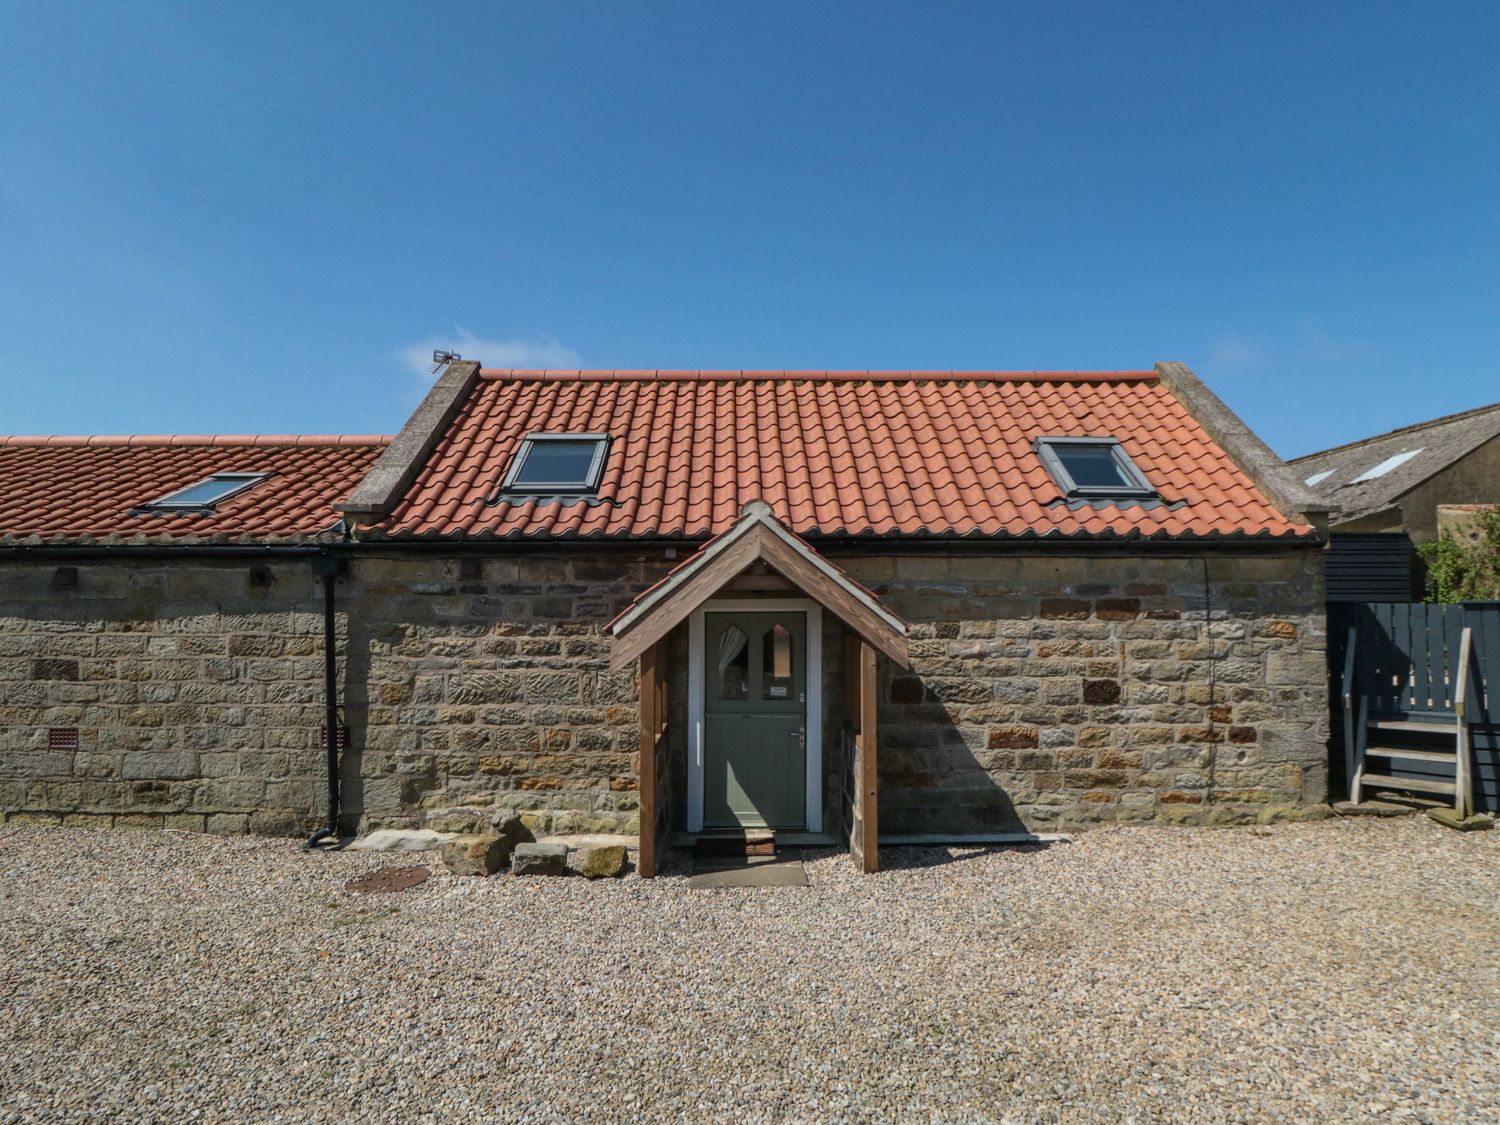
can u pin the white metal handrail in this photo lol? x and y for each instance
(1463, 798)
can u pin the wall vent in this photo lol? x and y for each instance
(62, 738)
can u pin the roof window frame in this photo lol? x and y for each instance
(589, 486)
(167, 505)
(1138, 488)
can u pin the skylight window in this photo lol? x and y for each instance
(1318, 478)
(1386, 466)
(551, 464)
(206, 493)
(1096, 468)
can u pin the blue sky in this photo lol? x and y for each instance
(258, 219)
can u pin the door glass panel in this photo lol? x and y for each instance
(734, 664)
(776, 657)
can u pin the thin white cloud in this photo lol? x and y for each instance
(1232, 350)
(543, 351)
(1317, 346)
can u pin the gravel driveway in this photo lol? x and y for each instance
(1348, 970)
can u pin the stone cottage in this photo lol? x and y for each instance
(844, 606)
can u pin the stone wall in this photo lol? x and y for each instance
(161, 694)
(196, 694)
(496, 689)
(1060, 692)
(1045, 691)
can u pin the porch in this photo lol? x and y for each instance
(775, 656)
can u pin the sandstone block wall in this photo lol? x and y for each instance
(1045, 692)
(196, 698)
(1060, 692)
(161, 694)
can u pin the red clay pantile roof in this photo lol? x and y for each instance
(83, 489)
(904, 453)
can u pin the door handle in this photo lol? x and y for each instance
(800, 734)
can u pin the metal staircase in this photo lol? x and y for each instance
(1419, 745)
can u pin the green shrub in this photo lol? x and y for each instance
(1467, 569)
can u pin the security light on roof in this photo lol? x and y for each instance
(206, 493)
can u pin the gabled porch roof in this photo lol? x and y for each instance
(756, 536)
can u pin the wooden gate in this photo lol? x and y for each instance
(1405, 670)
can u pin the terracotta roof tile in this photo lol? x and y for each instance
(834, 453)
(85, 489)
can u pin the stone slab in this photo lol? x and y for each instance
(401, 840)
(1449, 818)
(1372, 808)
(753, 871)
(594, 840)
(539, 859)
(479, 854)
(598, 861)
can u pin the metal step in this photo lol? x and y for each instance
(1411, 754)
(1421, 785)
(1414, 726)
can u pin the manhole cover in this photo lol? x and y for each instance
(388, 879)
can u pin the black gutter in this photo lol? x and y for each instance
(829, 544)
(327, 567)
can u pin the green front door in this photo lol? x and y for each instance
(755, 714)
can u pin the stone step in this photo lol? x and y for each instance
(751, 842)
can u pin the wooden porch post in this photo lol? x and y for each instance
(868, 777)
(650, 702)
(861, 741)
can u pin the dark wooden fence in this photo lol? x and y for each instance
(1370, 568)
(1407, 666)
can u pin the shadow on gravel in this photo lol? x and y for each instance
(915, 858)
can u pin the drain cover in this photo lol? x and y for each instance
(388, 879)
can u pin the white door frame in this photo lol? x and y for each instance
(814, 720)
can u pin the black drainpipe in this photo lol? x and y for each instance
(327, 567)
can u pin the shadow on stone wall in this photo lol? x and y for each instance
(931, 780)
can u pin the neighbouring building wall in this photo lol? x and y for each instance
(1060, 692)
(196, 698)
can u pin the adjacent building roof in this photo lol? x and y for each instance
(1361, 478)
(95, 489)
(854, 453)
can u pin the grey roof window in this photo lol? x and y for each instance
(557, 464)
(206, 493)
(1093, 468)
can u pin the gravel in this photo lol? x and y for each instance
(1340, 971)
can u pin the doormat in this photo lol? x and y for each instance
(711, 873)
